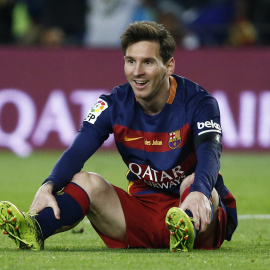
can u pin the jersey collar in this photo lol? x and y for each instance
(173, 84)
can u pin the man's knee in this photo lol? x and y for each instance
(186, 183)
(89, 182)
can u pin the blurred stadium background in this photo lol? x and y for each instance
(57, 57)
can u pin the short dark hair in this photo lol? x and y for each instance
(149, 31)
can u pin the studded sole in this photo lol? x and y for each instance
(181, 230)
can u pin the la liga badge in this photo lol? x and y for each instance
(96, 110)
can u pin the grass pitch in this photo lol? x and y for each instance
(246, 176)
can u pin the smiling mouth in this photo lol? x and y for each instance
(140, 83)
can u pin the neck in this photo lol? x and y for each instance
(155, 104)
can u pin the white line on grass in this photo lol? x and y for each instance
(253, 216)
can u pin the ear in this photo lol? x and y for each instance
(170, 66)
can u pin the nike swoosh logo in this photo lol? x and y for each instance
(132, 139)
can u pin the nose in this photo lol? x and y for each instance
(138, 69)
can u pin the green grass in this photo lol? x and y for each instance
(246, 176)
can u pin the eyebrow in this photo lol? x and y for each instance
(144, 59)
(128, 57)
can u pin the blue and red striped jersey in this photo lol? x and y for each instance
(159, 150)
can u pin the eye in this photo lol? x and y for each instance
(148, 62)
(130, 61)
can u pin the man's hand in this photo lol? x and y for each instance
(200, 207)
(44, 198)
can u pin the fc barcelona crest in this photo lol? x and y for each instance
(174, 139)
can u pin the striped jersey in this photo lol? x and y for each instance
(159, 150)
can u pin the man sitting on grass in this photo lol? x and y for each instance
(167, 130)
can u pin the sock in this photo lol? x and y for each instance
(74, 204)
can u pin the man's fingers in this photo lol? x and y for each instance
(195, 214)
(205, 219)
(199, 206)
(45, 199)
(203, 225)
(55, 209)
(197, 224)
(53, 205)
(36, 207)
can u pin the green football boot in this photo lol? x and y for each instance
(181, 229)
(21, 227)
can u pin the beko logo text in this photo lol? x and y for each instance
(209, 124)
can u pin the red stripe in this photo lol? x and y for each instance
(229, 201)
(142, 140)
(79, 195)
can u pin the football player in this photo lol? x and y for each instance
(167, 130)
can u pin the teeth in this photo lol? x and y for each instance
(139, 82)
